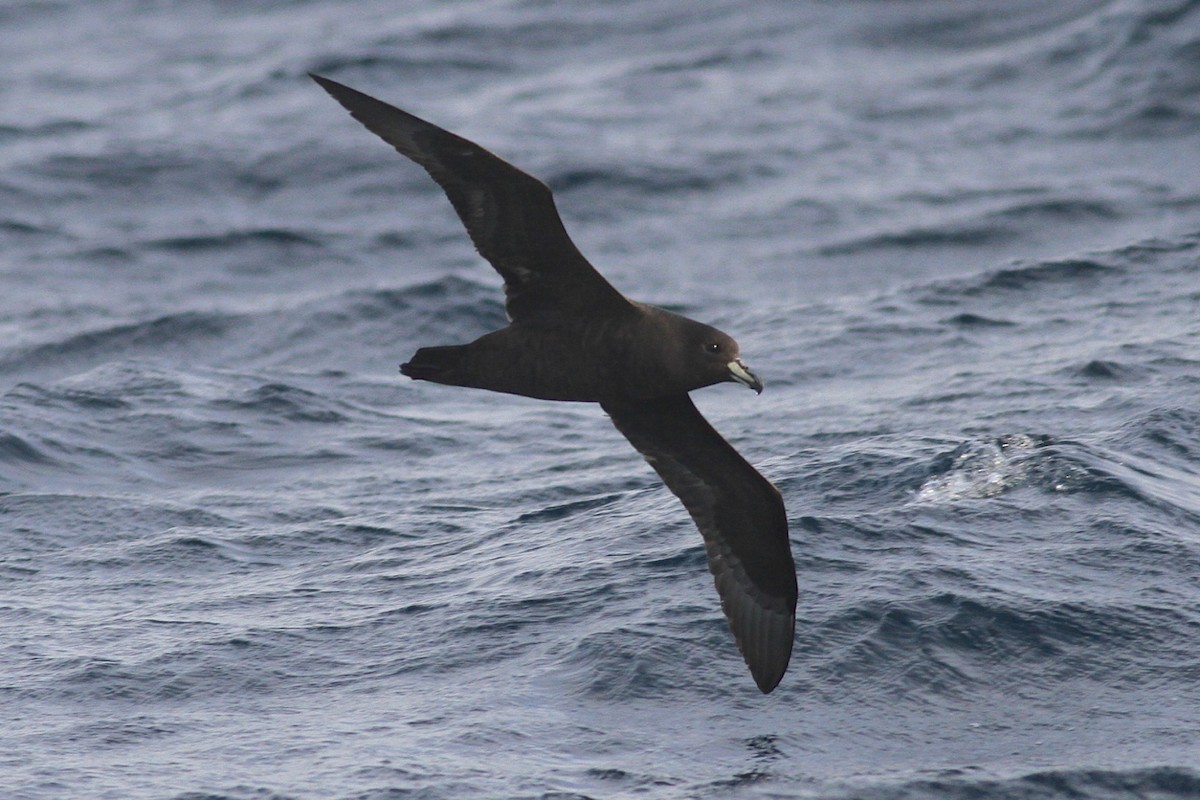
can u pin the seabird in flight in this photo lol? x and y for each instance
(572, 336)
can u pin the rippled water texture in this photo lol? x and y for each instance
(243, 558)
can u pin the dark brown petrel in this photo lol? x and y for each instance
(572, 336)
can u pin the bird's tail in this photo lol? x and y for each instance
(437, 364)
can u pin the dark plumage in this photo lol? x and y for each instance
(574, 337)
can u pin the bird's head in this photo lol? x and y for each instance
(712, 356)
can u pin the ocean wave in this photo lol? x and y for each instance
(995, 466)
(1155, 459)
(18, 228)
(280, 401)
(1078, 274)
(1163, 782)
(16, 450)
(1059, 209)
(125, 171)
(100, 525)
(969, 320)
(1176, 430)
(627, 663)
(955, 27)
(1024, 277)
(447, 310)
(1126, 68)
(989, 467)
(995, 221)
(44, 129)
(393, 66)
(199, 243)
(150, 337)
(949, 235)
(944, 644)
(638, 180)
(360, 323)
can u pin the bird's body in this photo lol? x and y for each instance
(573, 337)
(617, 352)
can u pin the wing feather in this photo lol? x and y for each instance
(509, 214)
(741, 517)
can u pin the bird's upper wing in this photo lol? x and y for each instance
(741, 516)
(509, 214)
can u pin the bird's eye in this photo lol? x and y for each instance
(713, 347)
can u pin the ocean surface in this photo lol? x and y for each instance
(241, 557)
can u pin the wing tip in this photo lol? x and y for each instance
(769, 672)
(767, 683)
(340, 92)
(323, 82)
(765, 637)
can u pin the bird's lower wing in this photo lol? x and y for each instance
(739, 513)
(509, 214)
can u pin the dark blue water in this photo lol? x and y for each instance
(243, 558)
